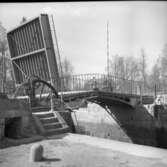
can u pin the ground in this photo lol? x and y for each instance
(74, 150)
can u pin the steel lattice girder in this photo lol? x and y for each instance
(32, 51)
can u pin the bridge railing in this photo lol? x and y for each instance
(103, 82)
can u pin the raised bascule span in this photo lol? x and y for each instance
(32, 51)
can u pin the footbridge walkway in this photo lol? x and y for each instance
(96, 87)
(108, 87)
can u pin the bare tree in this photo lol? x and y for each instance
(143, 66)
(3, 48)
(67, 69)
(132, 69)
(164, 64)
(125, 67)
(158, 75)
(116, 66)
(155, 76)
(6, 73)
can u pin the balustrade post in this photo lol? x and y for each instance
(141, 98)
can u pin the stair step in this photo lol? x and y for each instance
(44, 114)
(40, 109)
(57, 131)
(50, 123)
(52, 126)
(49, 120)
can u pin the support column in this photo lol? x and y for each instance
(2, 128)
(133, 101)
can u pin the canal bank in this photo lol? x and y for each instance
(119, 122)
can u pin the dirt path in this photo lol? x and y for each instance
(77, 151)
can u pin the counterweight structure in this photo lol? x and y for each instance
(32, 51)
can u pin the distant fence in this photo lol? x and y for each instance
(104, 82)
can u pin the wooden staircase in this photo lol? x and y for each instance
(50, 123)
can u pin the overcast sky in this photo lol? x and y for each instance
(81, 29)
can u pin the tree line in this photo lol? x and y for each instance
(135, 68)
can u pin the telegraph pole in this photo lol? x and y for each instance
(108, 53)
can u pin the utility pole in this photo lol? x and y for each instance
(108, 53)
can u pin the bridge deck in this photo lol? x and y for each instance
(80, 93)
(119, 97)
(102, 95)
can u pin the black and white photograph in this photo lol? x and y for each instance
(83, 84)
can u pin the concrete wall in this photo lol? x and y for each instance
(13, 108)
(10, 111)
(118, 122)
(27, 126)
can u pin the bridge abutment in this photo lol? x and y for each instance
(118, 122)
